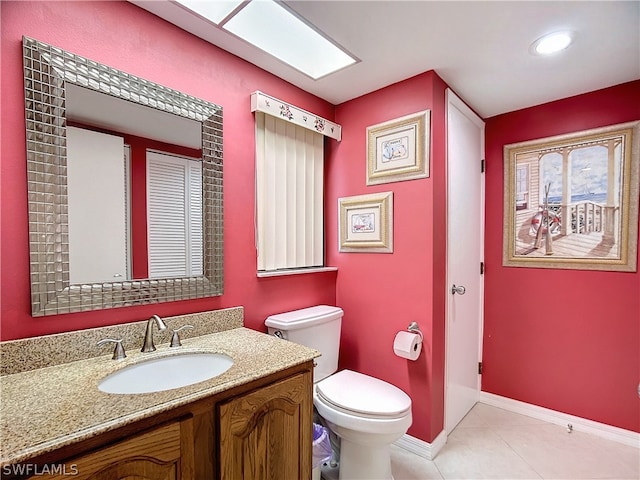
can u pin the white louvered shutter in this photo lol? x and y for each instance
(174, 216)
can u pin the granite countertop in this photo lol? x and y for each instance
(47, 408)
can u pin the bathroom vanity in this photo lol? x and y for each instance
(252, 422)
(259, 431)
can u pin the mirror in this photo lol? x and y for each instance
(53, 80)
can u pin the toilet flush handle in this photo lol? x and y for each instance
(278, 334)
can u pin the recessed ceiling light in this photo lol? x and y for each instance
(552, 43)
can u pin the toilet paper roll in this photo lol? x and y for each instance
(407, 345)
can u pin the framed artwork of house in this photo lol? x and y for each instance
(366, 223)
(398, 150)
(571, 201)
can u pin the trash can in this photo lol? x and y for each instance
(321, 449)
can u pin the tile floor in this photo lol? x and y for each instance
(497, 444)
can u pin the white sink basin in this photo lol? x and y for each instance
(166, 373)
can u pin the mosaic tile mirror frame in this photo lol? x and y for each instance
(47, 72)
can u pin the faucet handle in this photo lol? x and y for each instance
(118, 351)
(175, 338)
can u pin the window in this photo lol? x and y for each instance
(522, 187)
(289, 195)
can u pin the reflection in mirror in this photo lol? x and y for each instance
(61, 91)
(98, 214)
(163, 191)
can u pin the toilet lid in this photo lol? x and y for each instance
(361, 393)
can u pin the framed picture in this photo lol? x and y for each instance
(571, 201)
(366, 223)
(398, 150)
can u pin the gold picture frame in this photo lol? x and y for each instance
(571, 201)
(398, 150)
(366, 223)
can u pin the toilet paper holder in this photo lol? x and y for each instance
(415, 328)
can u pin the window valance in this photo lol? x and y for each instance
(264, 103)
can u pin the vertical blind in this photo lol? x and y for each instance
(174, 216)
(289, 195)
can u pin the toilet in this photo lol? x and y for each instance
(366, 413)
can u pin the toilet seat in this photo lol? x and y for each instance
(361, 395)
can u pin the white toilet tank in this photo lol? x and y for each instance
(315, 327)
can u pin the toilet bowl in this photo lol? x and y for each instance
(366, 413)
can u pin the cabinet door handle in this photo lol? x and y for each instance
(460, 290)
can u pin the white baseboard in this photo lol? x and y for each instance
(420, 447)
(579, 424)
(430, 450)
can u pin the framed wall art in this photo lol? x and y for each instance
(571, 201)
(398, 150)
(366, 223)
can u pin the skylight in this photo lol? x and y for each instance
(214, 11)
(272, 28)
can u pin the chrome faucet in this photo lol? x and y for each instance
(148, 345)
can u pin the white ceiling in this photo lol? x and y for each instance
(479, 48)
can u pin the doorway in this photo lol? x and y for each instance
(465, 254)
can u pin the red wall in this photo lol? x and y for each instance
(382, 293)
(126, 37)
(568, 340)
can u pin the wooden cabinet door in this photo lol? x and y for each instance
(267, 434)
(160, 454)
